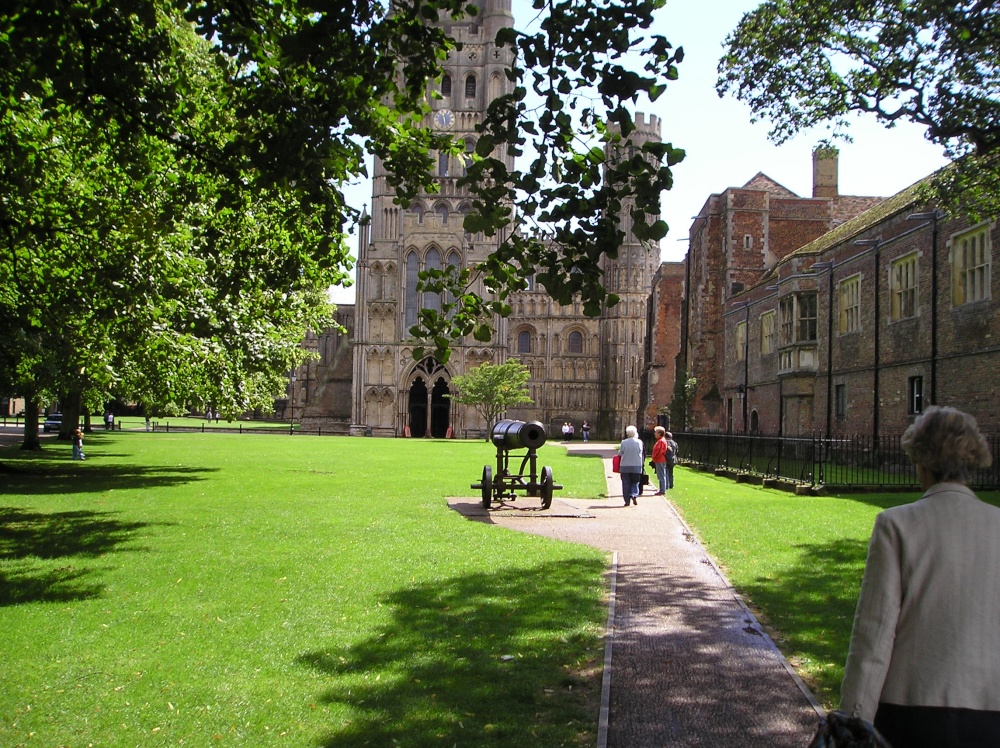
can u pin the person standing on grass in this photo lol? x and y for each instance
(924, 660)
(585, 430)
(78, 445)
(671, 458)
(659, 459)
(632, 453)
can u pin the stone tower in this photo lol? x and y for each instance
(392, 393)
(623, 326)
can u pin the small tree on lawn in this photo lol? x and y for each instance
(492, 389)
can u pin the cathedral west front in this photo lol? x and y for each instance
(582, 368)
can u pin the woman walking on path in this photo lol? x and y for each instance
(631, 451)
(923, 663)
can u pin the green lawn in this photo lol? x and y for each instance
(796, 560)
(214, 589)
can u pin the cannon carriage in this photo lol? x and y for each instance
(508, 436)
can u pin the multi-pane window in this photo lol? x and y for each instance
(741, 340)
(850, 304)
(798, 318)
(442, 164)
(524, 342)
(971, 266)
(840, 400)
(903, 286)
(767, 332)
(575, 342)
(412, 278)
(915, 395)
(446, 86)
(470, 86)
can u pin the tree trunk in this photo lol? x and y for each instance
(31, 440)
(70, 414)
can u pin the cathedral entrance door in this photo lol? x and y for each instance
(417, 410)
(440, 410)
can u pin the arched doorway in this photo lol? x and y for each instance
(417, 420)
(429, 410)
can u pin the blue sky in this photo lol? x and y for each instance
(724, 149)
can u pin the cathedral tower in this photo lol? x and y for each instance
(392, 393)
(623, 326)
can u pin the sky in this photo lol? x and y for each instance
(724, 149)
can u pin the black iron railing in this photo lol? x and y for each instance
(849, 461)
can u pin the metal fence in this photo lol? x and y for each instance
(851, 461)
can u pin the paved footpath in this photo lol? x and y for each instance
(690, 665)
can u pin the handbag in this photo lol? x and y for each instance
(616, 463)
(840, 730)
(644, 479)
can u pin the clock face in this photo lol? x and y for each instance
(444, 118)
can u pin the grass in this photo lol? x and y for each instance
(797, 561)
(216, 589)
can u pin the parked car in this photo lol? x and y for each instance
(52, 422)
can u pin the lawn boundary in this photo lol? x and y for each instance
(813, 701)
(609, 640)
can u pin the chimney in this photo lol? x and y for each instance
(825, 180)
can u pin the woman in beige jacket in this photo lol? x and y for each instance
(924, 660)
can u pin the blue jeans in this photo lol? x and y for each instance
(661, 476)
(630, 485)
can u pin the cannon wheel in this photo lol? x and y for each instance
(546, 486)
(487, 484)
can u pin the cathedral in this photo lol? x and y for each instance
(582, 368)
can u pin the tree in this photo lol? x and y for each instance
(491, 389)
(800, 63)
(194, 211)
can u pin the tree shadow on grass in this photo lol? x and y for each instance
(486, 659)
(812, 605)
(54, 478)
(30, 539)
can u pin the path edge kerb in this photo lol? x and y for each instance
(813, 701)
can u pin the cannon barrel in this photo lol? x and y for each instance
(518, 435)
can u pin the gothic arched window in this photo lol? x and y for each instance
(524, 342)
(575, 342)
(470, 86)
(432, 262)
(446, 86)
(442, 164)
(412, 302)
(442, 210)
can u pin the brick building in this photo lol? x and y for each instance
(738, 237)
(663, 342)
(859, 330)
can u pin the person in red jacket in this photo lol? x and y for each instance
(660, 450)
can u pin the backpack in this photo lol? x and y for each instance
(671, 453)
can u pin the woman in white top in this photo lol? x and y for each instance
(631, 452)
(924, 660)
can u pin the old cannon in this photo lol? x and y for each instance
(508, 436)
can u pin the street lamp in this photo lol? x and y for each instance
(932, 216)
(874, 244)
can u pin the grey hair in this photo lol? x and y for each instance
(631, 432)
(947, 442)
(659, 430)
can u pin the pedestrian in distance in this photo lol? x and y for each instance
(672, 454)
(632, 455)
(923, 663)
(585, 430)
(570, 431)
(78, 445)
(659, 459)
(565, 431)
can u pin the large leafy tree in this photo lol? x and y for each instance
(492, 388)
(800, 63)
(188, 157)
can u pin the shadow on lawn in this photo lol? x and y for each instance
(53, 478)
(813, 604)
(483, 659)
(28, 539)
